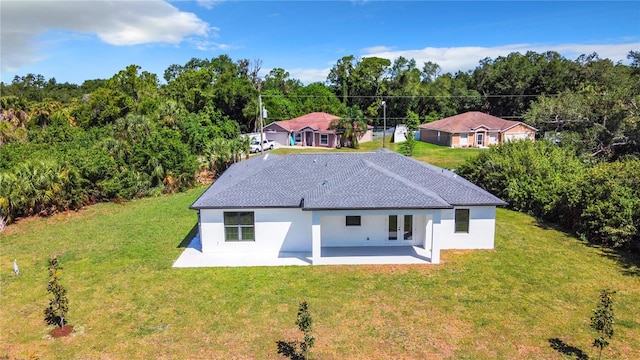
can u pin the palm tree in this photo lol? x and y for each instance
(39, 187)
(7, 185)
(169, 112)
(351, 126)
(133, 127)
(41, 112)
(220, 154)
(119, 150)
(240, 146)
(6, 132)
(63, 116)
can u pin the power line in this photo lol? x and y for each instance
(409, 96)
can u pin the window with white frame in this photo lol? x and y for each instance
(464, 139)
(239, 226)
(324, 139)
(298, 137)
(462, 221)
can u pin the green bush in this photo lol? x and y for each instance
(39, 188)
(610, 204)
(600, 202)
(533, 177)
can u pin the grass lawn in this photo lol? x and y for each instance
(437, 155)
(442, 156)
(127, 302)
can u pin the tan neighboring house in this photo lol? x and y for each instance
(474, 129)
(308, 130)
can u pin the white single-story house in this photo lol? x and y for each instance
(474, 129)
(319, 204)
(313, 129)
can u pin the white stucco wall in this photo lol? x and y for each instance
(276, 230)
(290, 230)
(373, 230)
(335, 233)
(482, 227)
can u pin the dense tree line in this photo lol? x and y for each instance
(600, 202)
(63, 146)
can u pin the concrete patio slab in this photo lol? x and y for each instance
(193, 256)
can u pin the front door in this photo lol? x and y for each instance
(309, 136)
(400, 230)
(480, 139)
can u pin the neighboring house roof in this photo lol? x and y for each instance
(318, 121)
(374, 180)
(470, 121)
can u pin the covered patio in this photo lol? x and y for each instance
(193, 256)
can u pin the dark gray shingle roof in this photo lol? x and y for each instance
(375, 180)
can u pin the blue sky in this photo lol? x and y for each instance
(76, 40)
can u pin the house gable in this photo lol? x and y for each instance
(481, 127)
(277, 126)
(529, 127)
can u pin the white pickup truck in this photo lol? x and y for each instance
(267, 144)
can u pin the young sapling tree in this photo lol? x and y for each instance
(290, 348)
(602, 320)
(56, 312)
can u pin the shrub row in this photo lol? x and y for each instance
(50, 174)
(600, 202)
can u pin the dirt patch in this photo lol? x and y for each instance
(61, 331)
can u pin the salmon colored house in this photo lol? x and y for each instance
(313, 129)
(474, 129)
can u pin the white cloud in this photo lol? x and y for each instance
(308, 76)
(208, 4)
(455, 59)
(205, 45)
(376, 49)
(114, 22)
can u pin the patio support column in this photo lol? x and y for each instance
(316, 245)
(428, 232)
(431, 239)
(435, 252)
(435, 244)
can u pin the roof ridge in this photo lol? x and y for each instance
(333, 181)
(222, 183)
(457, 178)
(403, 180)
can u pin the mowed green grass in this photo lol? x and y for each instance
(442, 156)
(127, 302)
(437, 155)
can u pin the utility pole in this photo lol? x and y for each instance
(384, 123)
(261, 122)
